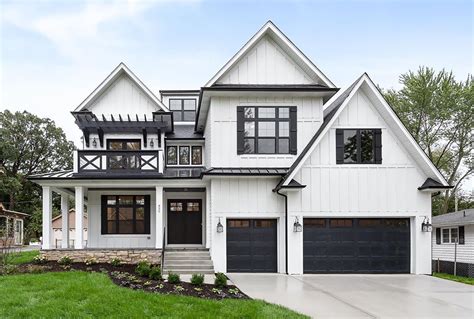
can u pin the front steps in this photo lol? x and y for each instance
(188, 261)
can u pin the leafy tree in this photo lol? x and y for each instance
(439, 113)
(29, 145)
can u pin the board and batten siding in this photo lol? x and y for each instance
(465, 253)
(223, 135)
(265, 63)
(97, 240)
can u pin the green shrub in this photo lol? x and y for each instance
(173, 278)
(40, 259)
(155, 273)
(91, 261)
(65, 260)
(116, 262)
(8, 269)
(143, 268)
(197, 279)
(221, 280)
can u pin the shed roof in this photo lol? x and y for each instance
(462, 217)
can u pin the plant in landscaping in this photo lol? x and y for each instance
(197, 279)
(143, 268)
(8, 269)
(40, 259)
(217, 291)
(160, 286)
(155, 273)
(178, 288)
(173, 278)
(198, 289)
(91, 261)
(116, 262)
(147, 283)
(221, 280)
(234, 291)
(35, 269)
(65, 260)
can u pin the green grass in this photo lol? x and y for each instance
(93, 295)
(24, 257)
(464, 280)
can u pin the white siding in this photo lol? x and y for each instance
(124, 97)
(465, 253)
(265, 63)
(223, 120)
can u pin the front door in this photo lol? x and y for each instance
(184, 221)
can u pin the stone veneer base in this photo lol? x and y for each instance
(127, 256)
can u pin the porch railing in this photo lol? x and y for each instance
(125, 161)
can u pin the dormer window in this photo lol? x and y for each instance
(184, 110)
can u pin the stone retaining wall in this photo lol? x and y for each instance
(128, 256)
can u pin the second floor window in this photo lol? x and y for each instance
(359, 146)
(184, 110)
(184, 155)
(124, 160)
(266, 130)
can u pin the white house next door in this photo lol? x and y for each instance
(18, 232)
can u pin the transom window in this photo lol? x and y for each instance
(358, 146)
(266, 130)
(184, 155)
(184, 110)
(126, 214)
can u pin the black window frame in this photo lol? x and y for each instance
(129, 161)
(376, 147)
(256, 119)
(182, 110)
(146, 219)
(190, 157)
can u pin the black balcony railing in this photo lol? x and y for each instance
(125, 161)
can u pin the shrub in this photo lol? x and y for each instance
(39, 260)
(155, 273)
(8, 269)
(221, 280)
(197, 279)
(91, 261)
(65, 260)
(116, 262)
(143, 268)
(173, 278)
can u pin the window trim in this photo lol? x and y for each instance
(123, 141)
(146, 218)
(449, 229)
(191, 147)
(182, 110)
(376, 147)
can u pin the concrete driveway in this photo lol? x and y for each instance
(362, 296)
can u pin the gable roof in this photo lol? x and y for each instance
(110, 79)
(285, 43)
(335, 106)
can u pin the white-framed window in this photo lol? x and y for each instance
(450, 235)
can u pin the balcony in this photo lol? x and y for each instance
(123, 162)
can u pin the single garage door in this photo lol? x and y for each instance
(251, 245)
(364, 245)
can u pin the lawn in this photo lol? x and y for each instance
(82, 294)
(24, 257)
(464, 280)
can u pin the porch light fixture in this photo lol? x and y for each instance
(297, 227)
(426, 226)
(94, 142)
(152, 144)
(220, 228)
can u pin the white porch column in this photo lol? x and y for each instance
(159, 218)
(79, 228)
(65, 220)
(47, 217)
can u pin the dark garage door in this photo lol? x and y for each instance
(251, 245)
(364, 245)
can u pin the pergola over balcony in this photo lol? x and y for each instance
(88, 122)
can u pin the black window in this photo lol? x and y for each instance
(184, 110)
(184, 155)
(172, 155)
(196, 156)
(125, 159)
(266, 130)
(125, 214)
(359, 146)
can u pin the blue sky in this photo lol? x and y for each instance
(54, 53)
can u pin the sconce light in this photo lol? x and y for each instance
(426, 226)
(220, 228)
(94, 142)
(152, 144)
(297, 227)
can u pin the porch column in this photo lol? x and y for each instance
(159, 218)
(78, 241)
(47, 217)
(65, 220)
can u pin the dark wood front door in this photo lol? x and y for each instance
(184, 221)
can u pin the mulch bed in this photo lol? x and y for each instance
(125, 276)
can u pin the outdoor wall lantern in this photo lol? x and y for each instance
(220, 228)
(94, 142)
(152, 144)
(297, 227)
(426, 226)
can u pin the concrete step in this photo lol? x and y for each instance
(186, 253)
(190, 258)
(188, 262)
(188, 271)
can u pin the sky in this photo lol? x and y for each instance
(54, 53)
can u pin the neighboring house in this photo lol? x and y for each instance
(57, 225)
(11, 226)
(453, 235)
(267, 168)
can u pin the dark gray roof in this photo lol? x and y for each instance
(294, 184)
(462, 217)
(183, 132)
(432, 184)
(183, 172)
(246, 171)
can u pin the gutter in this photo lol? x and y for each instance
(277, 190)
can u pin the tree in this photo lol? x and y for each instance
(439, 113)
(29, 145)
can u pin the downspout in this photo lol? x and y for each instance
(277, 190)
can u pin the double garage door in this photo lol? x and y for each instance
(330, 245)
